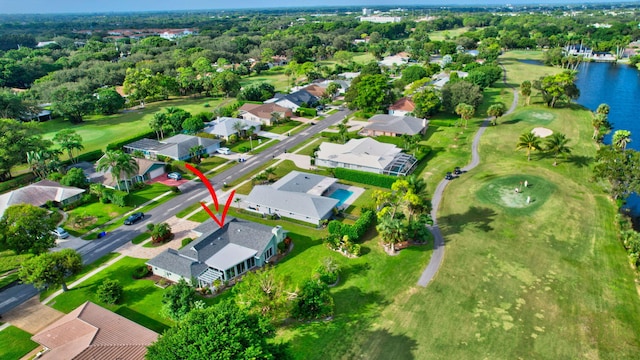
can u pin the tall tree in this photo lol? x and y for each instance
(12, 106)
(369, 93)
(69, 141)
(25, 228)
(51, 268)
(72, 104)
(465, 111)
(178, 300)
(601, 126)
(561, 86)
(196, 152)
(528, 141)
(222, 331)
(557, 145)
(621, 138)
(619, 169)
(496, 110)
(391, 231)
(108, 101)
(120, 164)
(157, 124)
(427, 103)
(460, 92)
(525, 90)
(314, 301)
(16, 140)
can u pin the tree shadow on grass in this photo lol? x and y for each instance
(300, 244)
(580, 160)
(352, 270)
(511, 121)
(386, 346)
(141, 319)
(479, 218)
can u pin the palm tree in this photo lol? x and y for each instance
(465, 111)
(69, 140)
(496, 110)
(391, 230)
(120, 164)
(601, 126)
(343, 130)
(276, 117)
(418, 187)
(603, 109)
(270, 172)
(195, 152)
(238, 126)
(158, 124)
(557, 145)
(621, 138)
(250, 132)
(528, 141)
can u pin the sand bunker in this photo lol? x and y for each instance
(541, 132)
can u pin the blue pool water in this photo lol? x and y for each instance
(342, 195)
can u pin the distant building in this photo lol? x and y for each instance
(393, 125)
(38, 194)
(381, 19)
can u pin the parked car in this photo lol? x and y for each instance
(134, 218)
(224, 151)
(60, 233)
(457, 171)
(449, 176)
(174, 175)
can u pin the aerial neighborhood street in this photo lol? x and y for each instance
(319, 181)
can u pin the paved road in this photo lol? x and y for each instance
(438, 247)
(191, 192)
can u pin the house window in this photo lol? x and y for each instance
(251, 262)
(268, 253)
(240, 268)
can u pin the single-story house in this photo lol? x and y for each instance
(220, 253)
(442, 78)
(368, 155)
(93, 332)
(397, 59)
(264, 112)
(147, 170)
(38, 194)
(224, 127)
(315, 90)
(293, 101)
(297, 195)
(42, 115)
(392, 125)
(343, 85)
(176, 147)
(402, 107)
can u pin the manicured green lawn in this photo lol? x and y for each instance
(139, 197)
(275, 77)
(9, 261)
(363, 58)
(517, 71)
(15, 343)
(282, 128)
(141, 302)
(447, 34)
(98, 131)
(210, 163)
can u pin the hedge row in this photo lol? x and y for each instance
(355, 231)
(367, 178)
(307, 112)
(117, 145)
(16, 182)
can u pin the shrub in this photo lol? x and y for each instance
(282, 247)
(119, 198)
(16, 182)
(355, 231)
(175, 189)
(314, 301)
(307, 112)
(362, 177)
(140, 272)
(110, 291)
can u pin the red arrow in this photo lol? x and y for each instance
(207, 183)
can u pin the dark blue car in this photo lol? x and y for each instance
(134, 218)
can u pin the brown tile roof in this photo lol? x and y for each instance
(264, 111)
(403, 104)
(91, 332)
(315, 90)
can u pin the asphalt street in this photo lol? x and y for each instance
(192, 192)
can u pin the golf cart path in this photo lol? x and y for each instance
(438, 243)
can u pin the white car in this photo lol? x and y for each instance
(224, 151)
(60, 233)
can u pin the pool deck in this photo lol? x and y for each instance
(357, 191)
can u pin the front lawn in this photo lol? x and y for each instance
(15, 343)
(282, 128)
(9, 263)
(141, 302)
(139, 197)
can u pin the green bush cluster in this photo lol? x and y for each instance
(141, 271)
(630, 239)
(355, 231)
(17, 182)
(110, 291)
(107, 195)
(117, 145)
(362, 177)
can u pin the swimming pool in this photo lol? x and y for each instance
(341, 195)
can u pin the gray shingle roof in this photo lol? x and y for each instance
(191, 260)
(312, 206)
(38, 194)
(298, 97)
(175, 147)
(408, 125)
(301, 182)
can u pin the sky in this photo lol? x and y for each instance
(84, 6)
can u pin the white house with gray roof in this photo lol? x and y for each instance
(393, 125)
(297, 195)
(224, 127)
(368, 155)
(220, 253)
(176, 147)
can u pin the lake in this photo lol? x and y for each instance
(617, 85)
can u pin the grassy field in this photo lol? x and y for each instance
(447, 34)
(275, 77)
(15, 343)
(97, 131)
(518, 71)
(141, 299)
